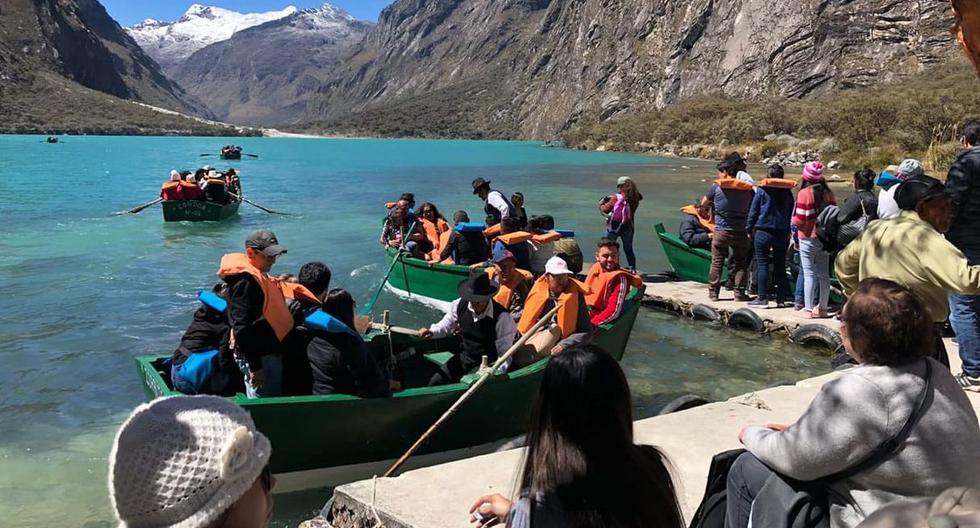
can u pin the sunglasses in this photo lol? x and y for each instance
(266, 478)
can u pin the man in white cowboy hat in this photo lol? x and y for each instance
(485, 328)
(570, 326)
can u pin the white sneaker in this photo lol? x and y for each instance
(968, 382)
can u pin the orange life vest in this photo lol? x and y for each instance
(778, 183)
(517, 237)
(547, 236)
(598, 282)
(292, 290)
(443, 242)
(506, 292)
(433, 232)
(693, 211)
(492, 232)
(567, 306)
(170, 185)
(733, 183)
(274, 308)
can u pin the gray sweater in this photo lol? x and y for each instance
(860, 410)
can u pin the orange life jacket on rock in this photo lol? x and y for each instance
(506, 292)
(567, 306)
(708, 224)
(274, 308)
(598, 282)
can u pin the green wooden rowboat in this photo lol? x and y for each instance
(426, 282)
(198, 211)
(693, 264)
(327, 440)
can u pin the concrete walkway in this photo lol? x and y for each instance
(440, 496)
(681, 296)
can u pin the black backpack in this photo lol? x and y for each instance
(711, 512)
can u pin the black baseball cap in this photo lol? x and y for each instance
(266, 242)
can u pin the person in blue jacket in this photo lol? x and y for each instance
(769, 223)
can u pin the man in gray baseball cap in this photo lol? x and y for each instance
(264, 241)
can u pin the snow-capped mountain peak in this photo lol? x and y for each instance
(169, 43)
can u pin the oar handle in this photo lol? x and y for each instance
(370, 306)
(484, 376)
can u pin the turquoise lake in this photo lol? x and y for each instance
(82, 291)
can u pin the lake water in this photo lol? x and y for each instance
(82, 292)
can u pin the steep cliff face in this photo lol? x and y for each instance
(551, 63)
(76, 39)
(265, 75)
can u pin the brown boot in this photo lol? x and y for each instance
(713, 295)
(740, 296)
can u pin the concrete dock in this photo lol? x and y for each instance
(440, 496)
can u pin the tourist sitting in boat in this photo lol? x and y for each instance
(234, 182)
(315, 278)
(485, 328)
(582, 467)
(257, 313)
(519, 213)
(570, 325)
(912, 251)
(897, 426)
(697, 225)
(398, 233)
(541, 228)
(203, 363)
(608, 284)
(769, 222)
(730, 198)
(191, 462)
(170, 190)
(514, 283)
(495, 205)
(341, 362)
(466, 244)
(190, 190)
(434, 225)
(516, 241)
(215, 188)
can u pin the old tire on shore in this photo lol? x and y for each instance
(816, 335)
(841, 361)
(703, 312)
(683, 403)
(745, 318)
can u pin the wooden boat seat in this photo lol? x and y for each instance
(439, 359)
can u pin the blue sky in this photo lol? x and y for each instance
(129, 12)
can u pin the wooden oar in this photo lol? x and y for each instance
(250, 202)
(485, 374)
(394, 329)
(202, 155)
(256, 156)
(138, 208)
(370, 306)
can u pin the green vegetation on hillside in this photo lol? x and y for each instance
(46, 103)
(873, 126)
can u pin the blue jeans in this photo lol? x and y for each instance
(799, 299)
(964, 317)
(816, 274)
(765, 241)
(745, 480)
(626, 233)
(272, 366)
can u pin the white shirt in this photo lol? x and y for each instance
(744, 176)
(887, 206)
(497, 201)
(506, 329)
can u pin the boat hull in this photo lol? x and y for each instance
(198, 211)
(432, 284)
(319, 439)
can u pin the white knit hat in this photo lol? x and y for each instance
(174, 175)
(183, 461)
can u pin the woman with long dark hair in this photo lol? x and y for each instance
(581, 468)
(813, 197)
(620, 211)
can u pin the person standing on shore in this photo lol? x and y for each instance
(620, 210)
(963, 187)
(887, 206)
(769, 222)
(814, 196)
(731, 199)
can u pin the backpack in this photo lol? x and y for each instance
(846, 233)
(828, 228)
(711, 512)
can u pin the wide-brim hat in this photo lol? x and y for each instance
(477, 288)
(479, 183)
(918, 189)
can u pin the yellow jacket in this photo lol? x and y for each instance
(909, 251)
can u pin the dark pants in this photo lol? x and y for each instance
(798, 298)
(626, 233)
(454, 369)
(745, 480)
(766, 241)
(738, 242)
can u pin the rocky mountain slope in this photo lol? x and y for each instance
(544, 65)
(266, 74)
(171, 43)
(66, 65)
